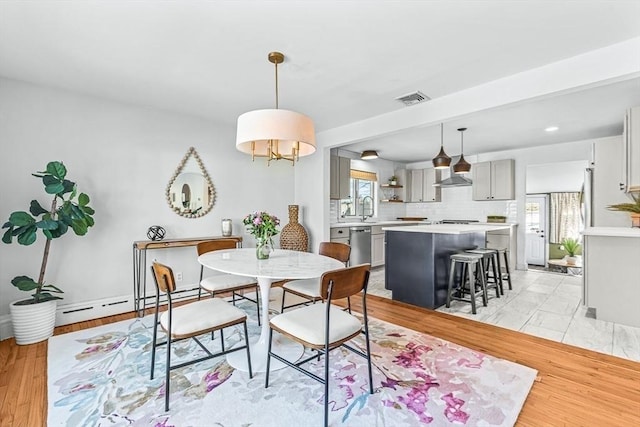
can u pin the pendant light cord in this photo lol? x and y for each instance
(442, 136)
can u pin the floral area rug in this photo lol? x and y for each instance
(100, 377)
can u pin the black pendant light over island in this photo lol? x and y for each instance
(441, 161)
(462, 166)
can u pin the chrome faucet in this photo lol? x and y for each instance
(364, 217)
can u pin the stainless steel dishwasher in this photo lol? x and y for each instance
(360, 241)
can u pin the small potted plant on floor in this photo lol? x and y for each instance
(632, 208)
(571, 246)
(34, 318)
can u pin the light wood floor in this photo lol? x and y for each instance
(575, 387)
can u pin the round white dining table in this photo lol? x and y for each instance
(282, 264)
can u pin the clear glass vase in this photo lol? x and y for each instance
(263, 248)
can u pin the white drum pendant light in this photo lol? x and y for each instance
(275, 134)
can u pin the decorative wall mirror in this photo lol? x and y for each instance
(190, 192)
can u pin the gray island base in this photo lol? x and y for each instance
(417, 259)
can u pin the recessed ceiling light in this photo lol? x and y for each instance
(552, 129)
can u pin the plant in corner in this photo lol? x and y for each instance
(69, 210)
(570, 245)
(632, 208)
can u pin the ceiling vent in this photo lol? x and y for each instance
(413, 98)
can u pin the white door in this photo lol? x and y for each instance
(536, 229)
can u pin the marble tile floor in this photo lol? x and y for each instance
(547, 305)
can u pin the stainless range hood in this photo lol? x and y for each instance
(454, 179)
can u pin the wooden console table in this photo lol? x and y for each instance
(140, 247)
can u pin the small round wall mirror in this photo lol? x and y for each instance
(190, 192)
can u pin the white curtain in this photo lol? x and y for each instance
(566, 219)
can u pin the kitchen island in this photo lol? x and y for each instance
(417, 259)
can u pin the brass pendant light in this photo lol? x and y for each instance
(274, 133)
(441, 161)
(462, 166)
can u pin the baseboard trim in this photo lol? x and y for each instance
(89, 310)
(78, 312)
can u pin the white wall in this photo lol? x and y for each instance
(123, 157)
(556, 177)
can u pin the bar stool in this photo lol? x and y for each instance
(470, 263)
(505, 254)
(491, 268)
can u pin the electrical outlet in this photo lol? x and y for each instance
(179, 277)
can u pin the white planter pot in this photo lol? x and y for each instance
(33, 322)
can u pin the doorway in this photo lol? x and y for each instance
(536, 226)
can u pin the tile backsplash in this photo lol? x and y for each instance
(456, 203)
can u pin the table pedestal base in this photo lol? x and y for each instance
(281, 346)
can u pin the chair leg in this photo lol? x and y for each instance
(222, 339)
(472, 288)
(496, 281)
(499, 268)
(266, 377)
(246, 342)
(483, 284)
(153, 346)
(368, 345)
(167, 376)
(326, 385)
(284, 291)
(506, 264)
(349, 304)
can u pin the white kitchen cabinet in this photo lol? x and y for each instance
(377, 250)
(422, 189)
(339, 234)
(630, 179)
(611, 270)
(377, 246)
(494, 180)
(416, 186)
(430, 193)
(340, 175)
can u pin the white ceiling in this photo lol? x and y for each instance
(346, 60)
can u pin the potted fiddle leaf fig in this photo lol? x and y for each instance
(34, 318)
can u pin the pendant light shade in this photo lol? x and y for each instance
(369, 154)
(441, 161)
(273, 133)
(462, 166)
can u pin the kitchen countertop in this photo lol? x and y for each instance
(449, 228)
(371, 223)
(612, 231)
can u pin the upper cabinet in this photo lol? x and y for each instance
(340, 171)
(631, 152)
(422, 189)
(494, 180)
